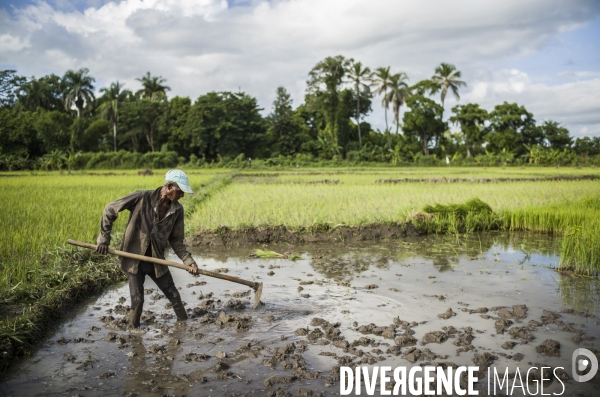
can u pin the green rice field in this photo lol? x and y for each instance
(45, 210)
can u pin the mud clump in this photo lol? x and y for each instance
(502, 325)
(195, 357)
(522, 333)
(486, 359)
(388, 332)
(508, 345)
(549, 347)
(371, 286)
(235, 304)
(448, 314)
(395, 350)
(413, 355)
(480, 310)
(464, 339)
(549, 317)
(405, 340)
(239, 322)
(106, 375)
(219, 367)
(301, 331)
(434, 337)
(519, 311)
(69, 357)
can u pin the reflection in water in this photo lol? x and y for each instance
(151, 369)
(582, 294)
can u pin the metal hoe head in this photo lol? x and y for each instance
(257, 293)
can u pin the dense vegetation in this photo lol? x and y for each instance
(55, 122)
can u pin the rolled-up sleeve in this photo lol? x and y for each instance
(111, 213)
(176, 240)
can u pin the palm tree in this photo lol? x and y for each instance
(78, 89)
(153, 88)
(399, 91)
(382, 82)
(109, 107)
(35, 93)
(361, 78)
(448, 77)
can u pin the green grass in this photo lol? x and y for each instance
(43, 211)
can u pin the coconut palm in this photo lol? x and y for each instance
(382, 81)
(113, 96)
(448, 77)
(153, 88)
(78, 89)
(360, 78)
(399, 91)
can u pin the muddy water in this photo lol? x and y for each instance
(433, 300)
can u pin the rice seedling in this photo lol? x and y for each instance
(267, 254)
(304, 206)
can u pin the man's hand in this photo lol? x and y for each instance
(102, 249)
(194, 269)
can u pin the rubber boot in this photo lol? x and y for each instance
(179, 309)
(135, 313)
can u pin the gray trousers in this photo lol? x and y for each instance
(164, 283)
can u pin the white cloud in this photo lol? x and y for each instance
(575, 104)
(10, 43)
(201, 45)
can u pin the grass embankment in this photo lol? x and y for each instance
(39, 276)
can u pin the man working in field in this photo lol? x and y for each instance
(156, 217)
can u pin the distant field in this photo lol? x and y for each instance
(429, 172)
(289, 198)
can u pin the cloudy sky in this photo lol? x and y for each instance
(543, 54)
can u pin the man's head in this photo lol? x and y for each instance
(176, 184)
(180, 178)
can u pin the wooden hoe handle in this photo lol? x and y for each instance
(251, 284)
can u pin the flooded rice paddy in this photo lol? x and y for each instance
(488, 300)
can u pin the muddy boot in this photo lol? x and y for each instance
(135, 313)
(179, 310)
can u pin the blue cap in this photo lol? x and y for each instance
(181, 179)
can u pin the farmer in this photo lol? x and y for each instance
(155, 218)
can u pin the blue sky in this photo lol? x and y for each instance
(543, 54)
(567, 53)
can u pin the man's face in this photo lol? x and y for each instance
(173, 192)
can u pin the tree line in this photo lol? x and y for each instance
(59, 121)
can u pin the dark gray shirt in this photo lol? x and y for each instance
(144, 230)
